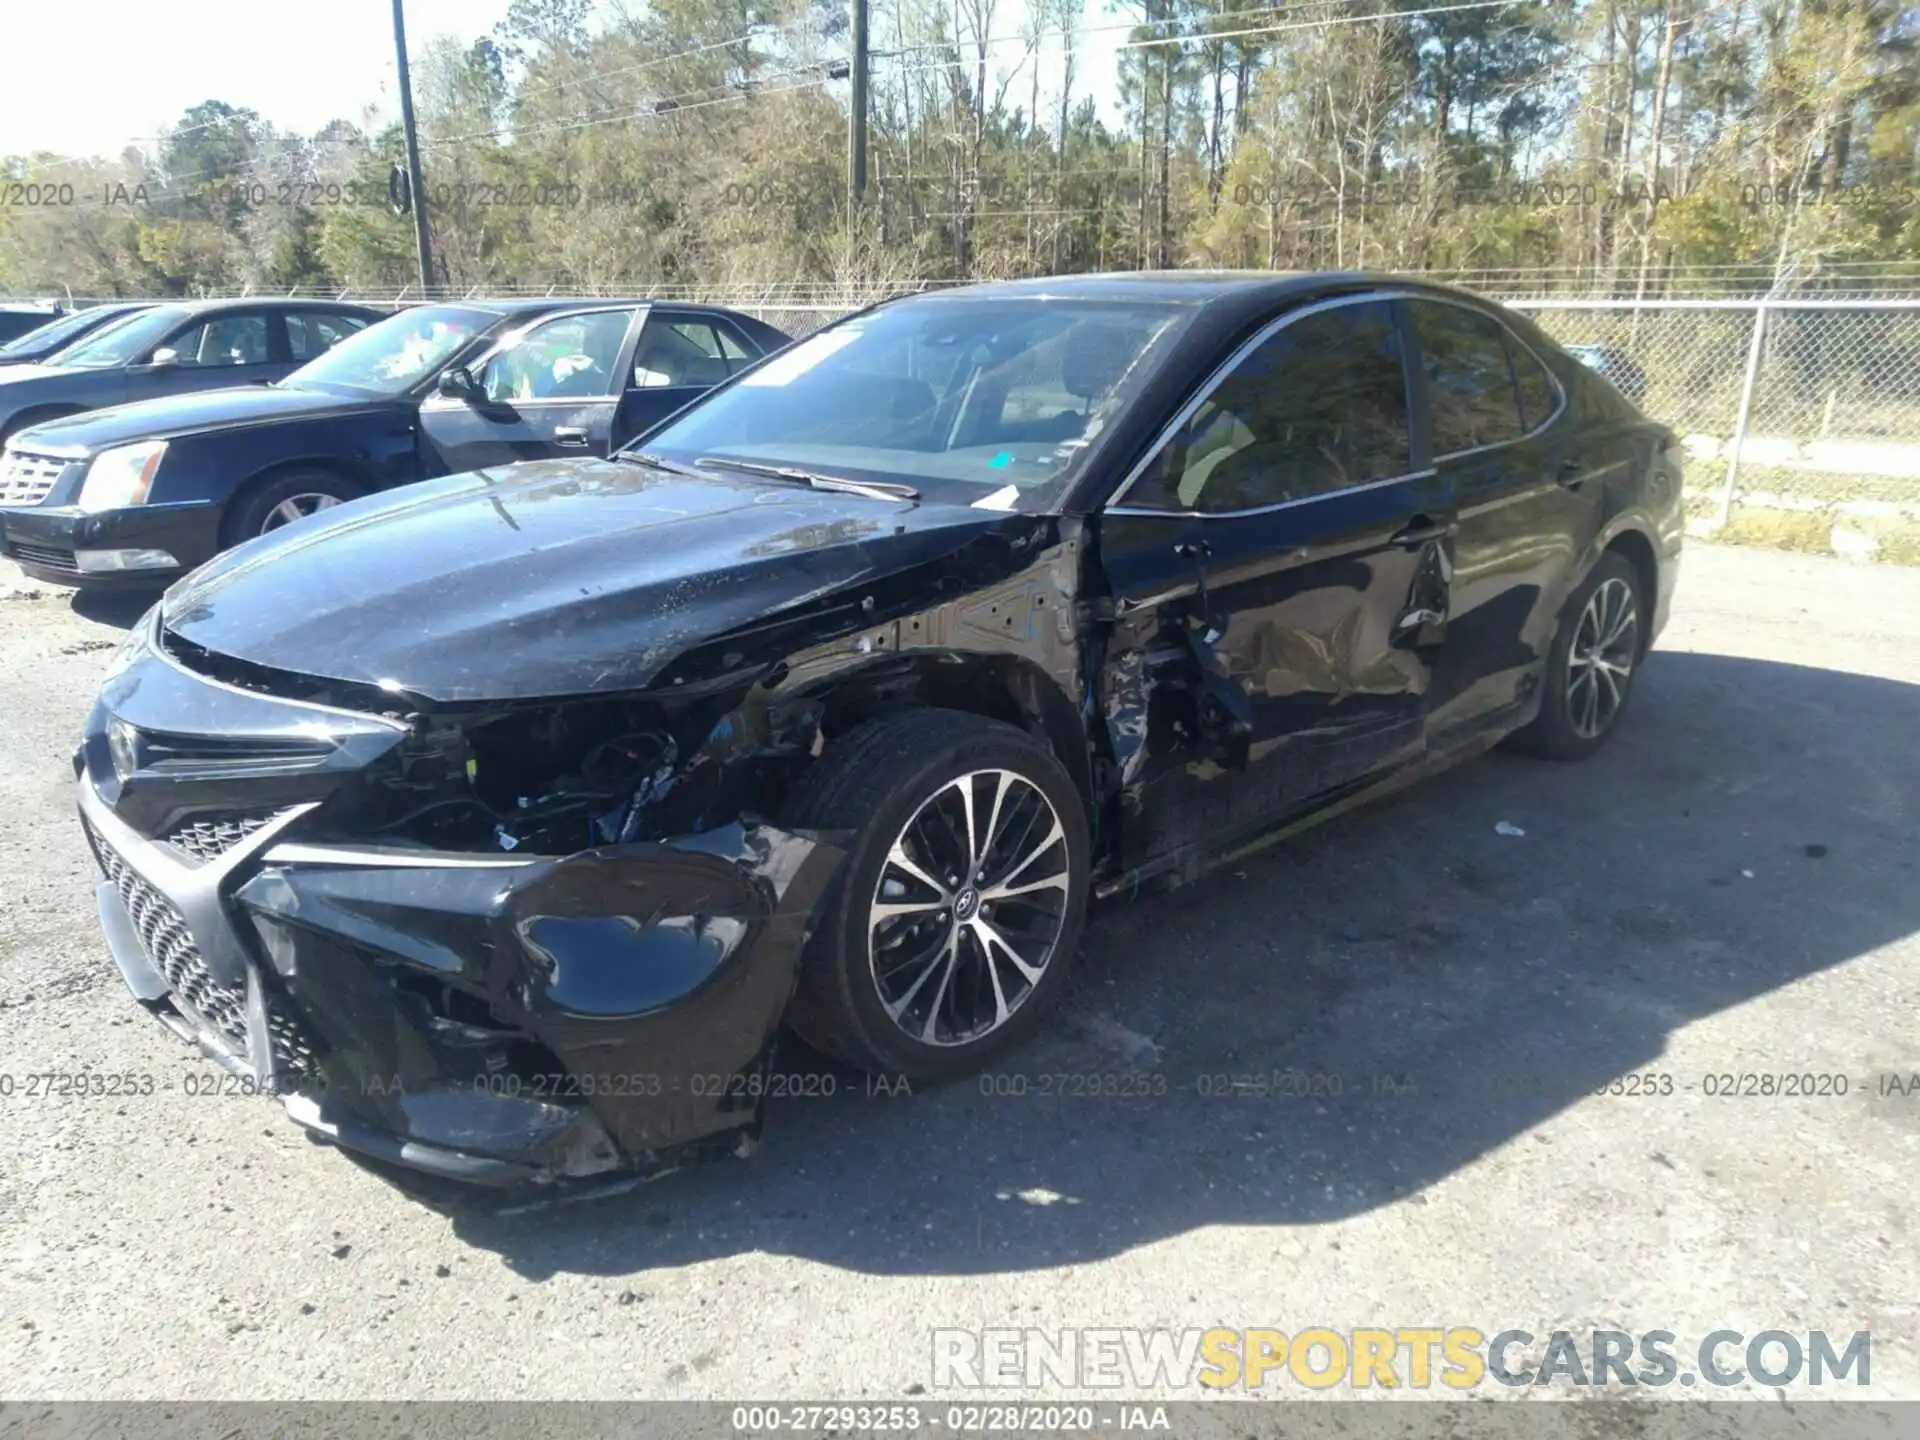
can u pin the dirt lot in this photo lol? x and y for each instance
(1731, 887)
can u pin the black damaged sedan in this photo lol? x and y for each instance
(499, 825)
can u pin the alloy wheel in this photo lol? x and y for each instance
(969, 907)
(1601, 660)
(297, 507)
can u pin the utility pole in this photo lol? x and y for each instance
(416, 183)
(857, 124)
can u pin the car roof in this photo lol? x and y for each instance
(1226, 289)
(553, 304)
(265, 302)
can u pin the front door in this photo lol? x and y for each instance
(1279, 573)
(551, 389)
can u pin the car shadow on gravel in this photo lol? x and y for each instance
(118, 608)
(1342, 1021)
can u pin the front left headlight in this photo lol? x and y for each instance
(120, 478)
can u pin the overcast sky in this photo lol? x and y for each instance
(87, 77)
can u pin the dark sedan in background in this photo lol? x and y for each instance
(45, 341)
(18, 319)
(174, 349)
(135, 495)
(500, 823)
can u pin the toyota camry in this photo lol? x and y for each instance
(503, 823)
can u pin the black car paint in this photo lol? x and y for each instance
(61, 331)
(19, 321)
(220, 442)
(30, 392)
(649, 974)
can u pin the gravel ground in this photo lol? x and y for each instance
(1730, 887)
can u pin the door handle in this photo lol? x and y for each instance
(570, 435)
(1573, 470)
(1193, 549)
(1420, 532)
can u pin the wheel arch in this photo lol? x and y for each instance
(1008, 688)
(335, 465)
(1637, 548)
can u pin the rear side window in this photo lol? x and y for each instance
(677, 353)
(1539, 396)
(311, 332)
(1470, 380)
(1318, 407)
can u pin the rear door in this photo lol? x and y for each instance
(230, 347)
(681, 356)
(549, 389)
(1528, 497)
(1278, 569)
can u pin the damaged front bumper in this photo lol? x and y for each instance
(497, 1019)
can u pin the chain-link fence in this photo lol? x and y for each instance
(1804, 407)
(1801, 417)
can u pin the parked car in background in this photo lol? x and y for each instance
(49, 339)
(1619, 369)
(17, 319)
(142, 492)
(558, 790)
(173, 349)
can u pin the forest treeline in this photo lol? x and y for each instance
(1639, 146)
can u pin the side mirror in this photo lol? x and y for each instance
(457, 383)
(164, 357)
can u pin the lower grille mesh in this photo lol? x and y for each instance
(214, 835)
(163, 935)
(220, 1009)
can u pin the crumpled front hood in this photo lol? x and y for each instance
(560, 577)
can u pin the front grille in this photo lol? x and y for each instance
(213, 835)
(27, 479)
(296, 1055)
(163, 935)
(45, 556)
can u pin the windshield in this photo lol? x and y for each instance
(124, 342)
(51, 336)
(397, 353)
(988, 402)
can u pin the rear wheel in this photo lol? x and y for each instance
(284, 499)
(950, 930)
(1592, 665)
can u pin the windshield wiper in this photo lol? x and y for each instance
(872, 489)
(653, 462)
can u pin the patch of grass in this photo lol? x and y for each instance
(1809, 533)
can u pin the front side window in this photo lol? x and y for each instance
(224, 340)
(983, 401)
(571, 357)
(1470, 384)
(1318, 406)
(123, 342)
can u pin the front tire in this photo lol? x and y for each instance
(949, 933)
(1592, 665)
(264, 508)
